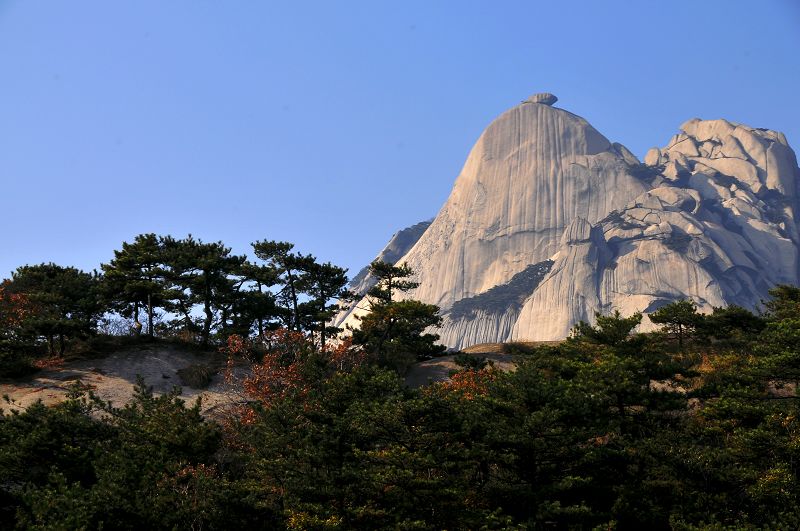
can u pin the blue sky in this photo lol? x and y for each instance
(333, 124)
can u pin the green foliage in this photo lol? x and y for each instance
(15, 364)
(306, 288)
(210, 289)
(390, 279)
(394, 332)
(202, 274)
(610, 329)
(64, 299)
(86, 464)
(609, 429)
(363, 452)
(256, 306)
(731, 324)
(136, 279)
(290, 269)
(680, 319)
(784, 303)
(185, 288)
(779, 343)
(324, 283)
(470, 362)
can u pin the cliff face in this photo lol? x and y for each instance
(549, 222)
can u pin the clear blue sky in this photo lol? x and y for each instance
(333, 124)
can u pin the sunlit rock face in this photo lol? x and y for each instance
(549, 222)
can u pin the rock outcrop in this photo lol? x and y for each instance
(549, 222)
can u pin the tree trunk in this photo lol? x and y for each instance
(293, 293)
(136, 325)
(223, 319)
(207, 325)
(61, 345)
(186, 316)
(621, 407)
(260, 319)
(150, 315)
(209, 316)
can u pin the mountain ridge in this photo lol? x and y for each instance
(709, 217)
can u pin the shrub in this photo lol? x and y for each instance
(196, 376)
(15, 364)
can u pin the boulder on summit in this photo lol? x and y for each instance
(545, 98)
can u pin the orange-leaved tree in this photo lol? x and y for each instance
(14, 309)
(470, 383)
(285, 364)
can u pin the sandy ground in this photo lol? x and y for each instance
(112, 379)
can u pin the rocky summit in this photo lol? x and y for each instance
(550, 222)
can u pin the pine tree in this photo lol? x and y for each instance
(66, 299)
(679, 318)
(203, 274)
(610, 330)
(135, 279)
(394, 332)
(325, 283)
(255, 306)
(291, 270)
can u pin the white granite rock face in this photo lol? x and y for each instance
(710, 217)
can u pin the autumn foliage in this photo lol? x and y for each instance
(14, 308)
(285, 364)
(469, 384)
(281, 372)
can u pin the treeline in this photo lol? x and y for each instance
(696, 426)
(165, 286)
